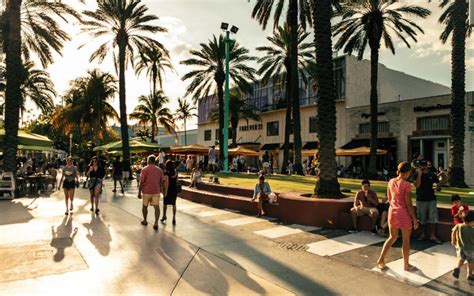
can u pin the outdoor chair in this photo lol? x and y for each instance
(7, 184)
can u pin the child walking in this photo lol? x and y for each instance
(462, 237)
(458, 209)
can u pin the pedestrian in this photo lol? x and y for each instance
(125, 172)
(462, 238)
(189, 164)
(426, 204)
(196, 175)
(151, 185)
(69, 179)
(401, 215)
(365, 204)
(139, 171)
(161, 157)
(212, 159)
(458, 209)
(95, 174)
(117, 172)
(171, 192)
(261, 194)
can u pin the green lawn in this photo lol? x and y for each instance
(305, 184)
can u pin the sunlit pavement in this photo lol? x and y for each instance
(42, 251)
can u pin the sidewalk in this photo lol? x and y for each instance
(42, 251)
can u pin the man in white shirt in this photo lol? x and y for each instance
(161, 157)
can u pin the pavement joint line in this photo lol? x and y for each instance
(186, 268)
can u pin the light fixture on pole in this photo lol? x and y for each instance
(227, 40)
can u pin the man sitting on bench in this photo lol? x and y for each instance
(365, 204)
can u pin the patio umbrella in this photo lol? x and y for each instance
(190, 149)
(135, 145)
(28, 139)
(239, 150)
(36, 148)
(359, 151)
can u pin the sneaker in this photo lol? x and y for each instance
(456, 273)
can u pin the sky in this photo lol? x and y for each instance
(191, 22)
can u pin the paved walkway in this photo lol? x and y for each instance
(209, 251)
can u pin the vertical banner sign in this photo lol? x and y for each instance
(471, 122)
(471, 12)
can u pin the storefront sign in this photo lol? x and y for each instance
(367, 115)
(431, 108)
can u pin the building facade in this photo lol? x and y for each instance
(413, 116)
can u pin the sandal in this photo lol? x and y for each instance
(163, 220)
(174, 222)
(144, 223)
(66, 213)
(97, 211)
(155, 226)
(382, 266)
(92, 209)
(411, 268)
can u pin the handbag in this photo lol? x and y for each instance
(179, 186)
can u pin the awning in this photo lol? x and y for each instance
(310, 145)
(36, 148)
(272, 146)
(310, 152)
(360, 151)
(239, 150)
(134, 145)
(28, 139)
(190, 149)
(382, 143)
(290, 146)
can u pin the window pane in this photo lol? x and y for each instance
(272, 128)
(312, 124)
(207, 135)
(434, 123)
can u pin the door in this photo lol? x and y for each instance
(440, 153)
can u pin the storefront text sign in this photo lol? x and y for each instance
(431, 108)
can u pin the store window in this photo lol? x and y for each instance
(382, 127)
(207, 135)
(312, 124)
(435, 123)
(272, 128)
(217, 135)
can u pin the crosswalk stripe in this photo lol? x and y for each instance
(431, 264)
(343, 243)
(211, 213)
(280, 231)
(242, 221)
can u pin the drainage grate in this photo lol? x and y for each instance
(292, 246)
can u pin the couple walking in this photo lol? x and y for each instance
(153, 183)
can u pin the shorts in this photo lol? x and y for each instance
(69, 184)
(427, 212)
(366, 211)
(463, 255)
(266, 164)
(126, 175)
(94, 182)
(212, 161)
(151, 199)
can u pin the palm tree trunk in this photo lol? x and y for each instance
(374, 61)
(123, 106)
(327, 185)
(458, 69)
(288, 124)
(294, 89)
(153, 130)
(12, 47)
(185, 140)
(220, 96)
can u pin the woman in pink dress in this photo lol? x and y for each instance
(401, 215)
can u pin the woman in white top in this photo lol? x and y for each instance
(69, 185)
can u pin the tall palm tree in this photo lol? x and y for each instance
(28, 27)
(297, 9)
(87, 105)
(275, 66)
(154, 61)
(184, 112)
(209, 75)
(327, 184)
(151, 109)
(455, 20)
(128, 29)
(371, 21)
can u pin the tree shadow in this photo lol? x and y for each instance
(62, 237)
(98, 234)
(14, 212)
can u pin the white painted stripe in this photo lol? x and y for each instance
(211, 213)
(280, 231)
(242, 221)
(344, 243)
(189, 207)
(431, 264)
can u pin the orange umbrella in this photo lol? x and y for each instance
(190, 149)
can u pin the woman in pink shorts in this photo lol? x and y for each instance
(401, 215)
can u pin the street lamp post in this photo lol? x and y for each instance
(70, 144)
(227, 41)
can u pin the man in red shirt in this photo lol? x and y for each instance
(365, 204)
(151, 185)
(458, 210)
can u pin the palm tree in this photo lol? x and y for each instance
(128, 25)
(327, 184)
(209, 77)
(150, 109)
(275, 66)
(87, 105)
(184, 112)
(297, 9)
(370, 21)
(154, 61)
(33, 23)
(455, 20)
